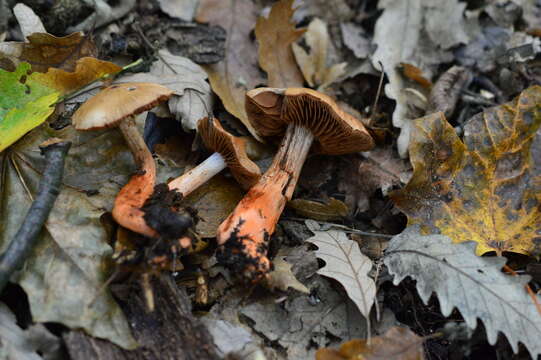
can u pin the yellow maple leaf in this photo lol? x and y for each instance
(487, 188)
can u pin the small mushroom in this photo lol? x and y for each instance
(304, 116)
(115, 106)
(229, 150)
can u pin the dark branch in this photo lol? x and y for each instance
(55, 151)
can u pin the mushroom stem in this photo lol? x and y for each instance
(244, 235)
(127, 209)
(199, 175)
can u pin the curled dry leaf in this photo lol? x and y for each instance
(476, 286)
(397, 343)
(346, 264)
(232, 77)
(487, 188)
(275, 35)
(313, 64)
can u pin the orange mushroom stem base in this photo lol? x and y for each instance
(244, 236)
(131, 198)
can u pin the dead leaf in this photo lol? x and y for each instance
(313, 64)
(70, 256)
(356, 39)
(214, 201)
(282, 277)
(238, 72)
(414, 73)
(330, 210)
(275, 35)
(379, 169)
(192, 99)
(300, 326)
(346, 264)
(486, 189)
(474, 285)
(398, 343)
(427, 29)
(180, 9)
(86, 70)
(28, 20)
(44, 51)
(32, 343)
(339, 12)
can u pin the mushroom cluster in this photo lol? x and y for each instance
(303, 117)
(306, 119)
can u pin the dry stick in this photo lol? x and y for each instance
(55, 151)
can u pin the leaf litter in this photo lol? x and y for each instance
(301, 311)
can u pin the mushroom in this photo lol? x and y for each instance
(228, 150)
(303, 116)
(114, 106)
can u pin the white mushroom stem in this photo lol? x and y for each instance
(199, 175)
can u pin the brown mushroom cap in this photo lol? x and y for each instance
(232, 149)
(117, 102)
(336, 132)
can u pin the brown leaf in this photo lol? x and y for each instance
(275, 35)
(485, 189)
(380, 169)
(398, 343)
(313, 63)
(238, 72)
(44, 51)
(214, 201)
(331, 210)
(413, 73)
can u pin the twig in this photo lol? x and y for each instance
(345, 228)
(55, 151)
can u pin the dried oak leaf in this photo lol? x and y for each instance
(475, 285)
(44, 51)
(487, 188)
(345, 263)
(238, 72)
(275, 35)
(398, 343)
